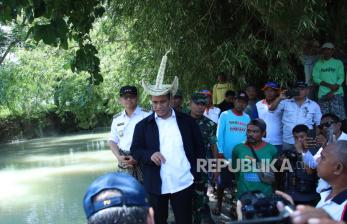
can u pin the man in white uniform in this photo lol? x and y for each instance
(122, 130)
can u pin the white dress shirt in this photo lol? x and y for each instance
(175, 172)
(312, 161)
(123, 126)
(308, 113)
(273, 123)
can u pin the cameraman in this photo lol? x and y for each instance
(301, 182)
(296, 110)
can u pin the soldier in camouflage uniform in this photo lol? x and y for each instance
(201, 210)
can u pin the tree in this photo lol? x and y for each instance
(251, 40)
(55, 22)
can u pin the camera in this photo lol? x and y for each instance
(255, 205)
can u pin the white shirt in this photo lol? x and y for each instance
(123, 126)
(312, 162)
(213, 114)
(308, 113)
(273, 123)
(175, 172)
(335, 207)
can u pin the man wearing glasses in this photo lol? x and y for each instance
(330, 132)
(122, 130)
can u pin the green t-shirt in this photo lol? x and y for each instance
(330, 71)
(249, 181)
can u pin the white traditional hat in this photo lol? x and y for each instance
(159, 88)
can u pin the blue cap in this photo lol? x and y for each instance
(206, 92)
(272, 85)
(131, 191)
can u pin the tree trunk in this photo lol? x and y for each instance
(6, 52)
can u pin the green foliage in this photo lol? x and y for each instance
(250, 40)
(55, 22)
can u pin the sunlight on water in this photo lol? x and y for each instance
(44, 180)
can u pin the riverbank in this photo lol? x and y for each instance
(16, 128)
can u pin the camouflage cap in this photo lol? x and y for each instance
(199, 98)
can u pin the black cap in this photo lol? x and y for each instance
(300, 84)
(199, 98)
(242, 96)
(128, 90)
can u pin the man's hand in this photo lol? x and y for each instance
(311, 143)
(329, 96)
(334, 87)
(321, 140)
(129, 160)
(299, 146)
(285, 196)
(158, 158)
(303, 213)
(121, 159)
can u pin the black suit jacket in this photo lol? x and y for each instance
(146, 142)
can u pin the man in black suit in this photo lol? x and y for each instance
(168, 143)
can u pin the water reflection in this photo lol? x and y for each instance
(44, 180)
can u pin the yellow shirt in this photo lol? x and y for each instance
(219, 92)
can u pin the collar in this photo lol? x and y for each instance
(236, 113)
(136, 111)
(307, 100)
(343, 136)
(264, 102)
(341, 197)
(261, 145)
(173, 115)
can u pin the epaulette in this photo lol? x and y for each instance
(117, 115)
(145, 110)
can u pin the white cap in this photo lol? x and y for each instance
(328, 45)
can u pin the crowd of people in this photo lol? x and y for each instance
(163, 149)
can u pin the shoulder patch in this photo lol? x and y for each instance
(145, 110)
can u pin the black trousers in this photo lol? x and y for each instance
(181, 203)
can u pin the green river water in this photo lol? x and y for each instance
(44, 180)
